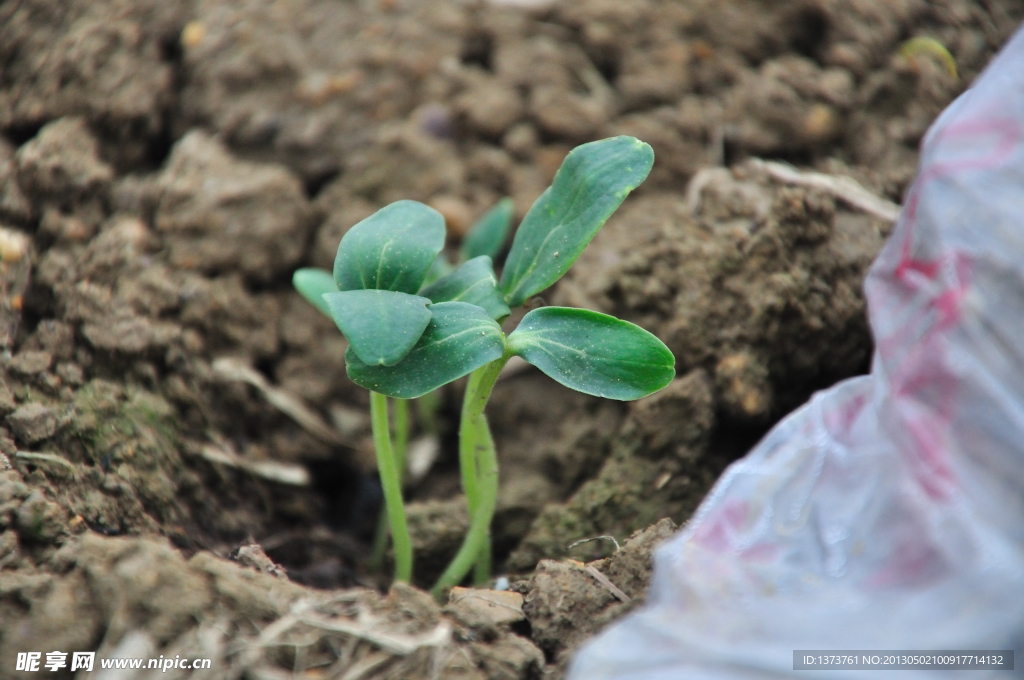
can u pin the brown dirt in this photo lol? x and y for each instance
(165, 166)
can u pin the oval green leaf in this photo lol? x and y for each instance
(381, 326)
(460, 339)
(312, 284)
(593, 181)
(488, 235)
(594, 353)
(391, 249)
(475, 283)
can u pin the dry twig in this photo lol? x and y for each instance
(45, 458)
(606, 582)
(846, 189)
(595, 538)
(282, 473)
(394, 643)
(284, 401)
(367, 665)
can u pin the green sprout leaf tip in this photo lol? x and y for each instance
(590, 185)
(393, 249)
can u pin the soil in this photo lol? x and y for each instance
(184, 467)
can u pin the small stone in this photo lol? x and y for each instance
(7, 445)
(14, 245)
(13, 203)
(8, 548)
(63, 159)
(7, 403)
(509, 656)
(411, 603)
(33, 422)
(564, 113)
(218, 213)
(821, 123)
(56, 337)
(193, 34)
(57, 226)
(436, 120)
(31, 362)
(71, 373)
(491, 107)
(743, 386)
(12, 488)
(521, 140)
(40, 520)
(7, 511)
(253, 556)
(479, 608)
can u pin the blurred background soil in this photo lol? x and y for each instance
(165, 166)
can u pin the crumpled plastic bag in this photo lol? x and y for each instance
(888, 512)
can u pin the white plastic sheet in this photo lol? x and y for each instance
(888, 512)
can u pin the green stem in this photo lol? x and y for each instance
(469, 469)
(401, 438)
(479, 463)
(391, 483)
(467, 446)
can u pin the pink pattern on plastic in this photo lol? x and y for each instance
(717, 532)
(923, 379)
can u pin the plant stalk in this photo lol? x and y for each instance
(479, 465)
(401, 446)
(469, 467)
(390, 480)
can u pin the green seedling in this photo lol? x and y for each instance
(487, 237)
(397, 350)
(370, 297)
(312, 284)
(922, 45)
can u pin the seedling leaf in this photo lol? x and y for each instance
(381, 325)
(489, 233)
(459, 339)
(391, 249)
(925, 45)
(474, 282)
(593, 181)
(312, 284)
(594, 353)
